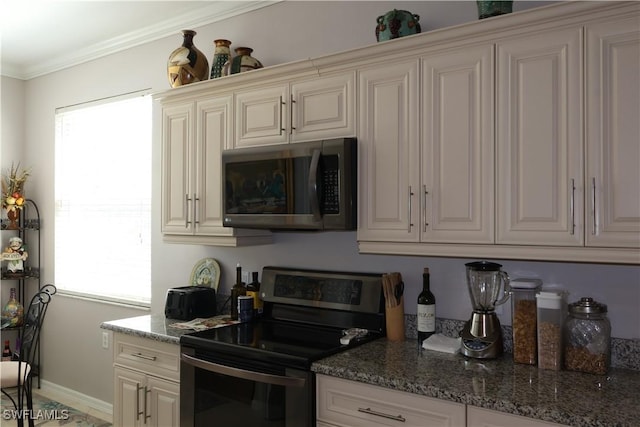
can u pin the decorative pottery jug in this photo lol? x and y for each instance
(243, 61)
(397, 23)
(221, 55)
(13, 215)
(13, 311)
(487, 9)
(187, 64)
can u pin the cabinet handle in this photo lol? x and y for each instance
(195, 209)
(370, 411)
(282, 104)
(594, 215)
(424, 210)
(146, 415)
(291, 108)
(186, 206)
(138, 412)
(144, 356)
(410, 199)
(572, 207)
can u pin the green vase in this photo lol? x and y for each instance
(487, 9)
(13, 311)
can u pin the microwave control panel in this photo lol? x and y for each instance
(330, 185)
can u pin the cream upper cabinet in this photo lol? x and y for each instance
(193, 136)
(613, 133)
(539, 193)
(313, 109)
(457, 161)
(389, 180)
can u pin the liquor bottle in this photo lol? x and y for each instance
(6, 353)
(237, 290)
(253, 290)
(426, 310)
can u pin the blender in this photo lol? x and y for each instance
(481, 335)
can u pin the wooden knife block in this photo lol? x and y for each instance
(395, 321)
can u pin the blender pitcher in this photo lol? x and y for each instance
(482, 334)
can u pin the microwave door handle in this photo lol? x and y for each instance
(313, 185)
(244, 374)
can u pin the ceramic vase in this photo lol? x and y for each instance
(221, 55)
(187, 64)
(13, 311)
(13, 215)
(243, 61)
(395, 24)
(487, 9)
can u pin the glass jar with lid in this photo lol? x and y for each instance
(587, 337)
(523, 319)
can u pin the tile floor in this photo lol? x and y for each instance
(74, 404)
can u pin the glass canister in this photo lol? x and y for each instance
(523, 319)
(587, 337)
(551, 313)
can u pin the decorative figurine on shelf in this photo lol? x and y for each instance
(13, 194)
(16, 254)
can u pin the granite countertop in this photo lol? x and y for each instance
(153, 326)
(563, 397)
(571, 398)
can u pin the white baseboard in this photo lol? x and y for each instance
(100, 405)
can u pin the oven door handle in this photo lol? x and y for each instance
(241, 373)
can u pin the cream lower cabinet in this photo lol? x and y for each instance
(305, 110)
(346, 403)
(479, 417)
(146, 382)
(194, 133)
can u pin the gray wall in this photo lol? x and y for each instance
(284, 32)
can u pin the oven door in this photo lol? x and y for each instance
(221, 391)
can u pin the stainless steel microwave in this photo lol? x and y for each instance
(301, 186)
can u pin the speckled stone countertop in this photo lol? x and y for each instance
(154, 327)
(564, 397)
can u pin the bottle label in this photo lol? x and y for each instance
(426, 318)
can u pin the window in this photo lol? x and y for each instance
(103, 199)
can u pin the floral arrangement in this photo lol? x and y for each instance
(13, 187)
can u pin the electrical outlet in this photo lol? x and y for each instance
(105, 339)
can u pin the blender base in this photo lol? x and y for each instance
(482, 337)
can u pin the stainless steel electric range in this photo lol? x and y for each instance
(258, 373)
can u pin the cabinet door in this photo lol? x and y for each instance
(613, 134)
(177, 146)
(260, 117)
(457, 146)
(323, 108)
(477, 417)
(163, 404)
(388, 153)
(128, 410)
(213, 134)
(539, 139)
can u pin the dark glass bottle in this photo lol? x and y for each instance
(6, 353)
(426, 312)
(253, 290)
(237, 290)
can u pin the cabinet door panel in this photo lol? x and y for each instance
(539, 140)
(164, 402)
(214, 126)
(260, 117)
(324, 108)
(177, 134)
(388, 153)
(129, 388)
(613, 134)
(457, 156)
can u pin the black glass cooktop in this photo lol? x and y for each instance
(279, 342)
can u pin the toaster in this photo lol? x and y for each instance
(189, 302)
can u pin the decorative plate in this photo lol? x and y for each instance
(206, 272)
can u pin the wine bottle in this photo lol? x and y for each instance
(237, 290)
(6, 353)
(253, 290)
(426, 310)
